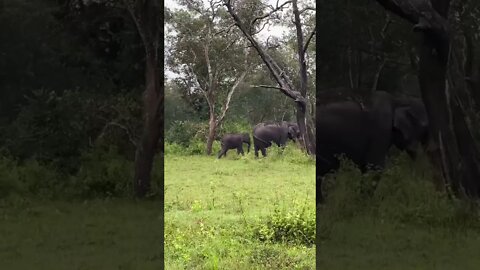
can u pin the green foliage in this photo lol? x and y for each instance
(296, 226)
(57, 128)
(195, 147)
(403, 193)
(49, 128)
(183, 132)
(104, 173)
(29, 178)
(240, 126)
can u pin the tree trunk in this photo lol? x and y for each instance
(212, 129)
(146, 15)
(302, 108)
(152, 130)
(456, 153)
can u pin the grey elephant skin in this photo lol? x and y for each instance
(264, 134)
(364, 130)
(234, 141)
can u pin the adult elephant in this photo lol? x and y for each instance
(364, 130)
(234, 141)
(264, 134)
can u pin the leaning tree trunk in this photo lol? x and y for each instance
(146, 15)
(302, 108)
(284, 82)
(455, 152)
(152, 129)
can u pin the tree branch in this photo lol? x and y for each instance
(113, 123)
(305, 47)
(270, 13)
(268, 86)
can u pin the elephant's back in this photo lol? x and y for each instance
(342, 128)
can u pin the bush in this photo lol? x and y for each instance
(296, 226)
(195, 147)
(235, 127)
(104, 173)
(404, 192)
(291, 154)
(184, 132)
(29, 178)
(57, 127)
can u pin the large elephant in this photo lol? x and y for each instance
(365, 130)
(264, 134)
(234, 141)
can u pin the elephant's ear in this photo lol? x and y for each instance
(404, 122)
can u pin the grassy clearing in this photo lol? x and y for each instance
(402, 224)
(366, 242)
(99, 234)
(239, 212)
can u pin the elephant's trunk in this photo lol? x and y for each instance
(248, 148)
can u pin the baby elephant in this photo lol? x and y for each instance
(234, 141)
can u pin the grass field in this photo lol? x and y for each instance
(111, 234)
(367, 242)
(404, 224)
(217, 211)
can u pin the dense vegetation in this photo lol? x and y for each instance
(72, 75)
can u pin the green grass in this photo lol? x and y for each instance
(215, 211)
(100, 234)
(405, 223)
(366, 242)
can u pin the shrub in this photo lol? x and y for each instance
(296, 226)
(184, 132)
(104, 173)
(31, 177)
(235, 127)
(404, 192)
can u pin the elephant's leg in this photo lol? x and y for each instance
(326, 163)
(240, 150)
(256, 150)
(222, 152)
(264, 151)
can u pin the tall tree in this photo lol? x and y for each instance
(455, 151)
(209, 56)
(250, 26)
(147, 15)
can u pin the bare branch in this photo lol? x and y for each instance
(377, 74)
(305, 47)
(385, 27)
(270, 13)
(261, 28)
(306, 8)
(225, 30)
(229, 97)
(115, 124)
(268, 86)
(286, 85)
